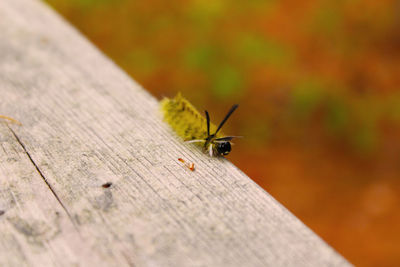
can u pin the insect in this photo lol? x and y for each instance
(188, 123)
(190, 166)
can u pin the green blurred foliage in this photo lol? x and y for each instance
(337, 115)
(201, 57)
(306, 97)
(89, 4)
(328, 18)
(226, 81)
(143, 60)
(203, 14)
(256, 49)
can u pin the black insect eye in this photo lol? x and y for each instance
(224, 148)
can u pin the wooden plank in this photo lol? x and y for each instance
(86, 123)
(34, 227)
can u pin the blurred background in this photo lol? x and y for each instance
(318, 83)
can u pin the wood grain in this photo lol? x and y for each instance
(86, 123)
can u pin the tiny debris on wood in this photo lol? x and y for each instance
(10, 119)
(190, 166)
(106, 185)
(2, 212)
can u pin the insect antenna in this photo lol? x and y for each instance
(208, 123)
(233, 108)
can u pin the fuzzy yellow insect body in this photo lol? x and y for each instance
(189, 124)
(185, 119)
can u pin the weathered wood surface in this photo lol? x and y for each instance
(85, 123)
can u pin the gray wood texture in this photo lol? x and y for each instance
(86, 123)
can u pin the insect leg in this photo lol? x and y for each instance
(196, 141)
(227, 138)
(210, 150)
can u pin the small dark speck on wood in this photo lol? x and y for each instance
(107, 185)
(2, 212)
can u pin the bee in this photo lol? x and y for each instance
(189, 124)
